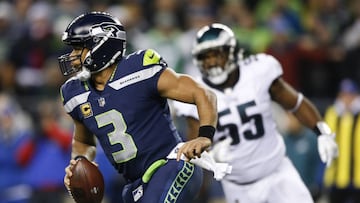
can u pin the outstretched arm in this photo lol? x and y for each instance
(287, 97)
(306, 112)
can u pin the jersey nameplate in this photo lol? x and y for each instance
(135, 77)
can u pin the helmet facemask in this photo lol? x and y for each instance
(66, 63)
(217, 74)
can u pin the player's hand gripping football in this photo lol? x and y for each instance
(327, 147)
(193, 148)
(69, 173)
(84, 181)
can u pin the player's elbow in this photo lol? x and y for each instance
(211, 97)
(208, 98)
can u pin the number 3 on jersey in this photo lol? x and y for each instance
(118, 135)
(256, 119)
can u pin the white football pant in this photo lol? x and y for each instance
(284, 185)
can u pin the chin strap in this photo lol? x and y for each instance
(84, 74)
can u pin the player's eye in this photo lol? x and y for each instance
(209, 54)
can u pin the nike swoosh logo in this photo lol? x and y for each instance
(152, 56)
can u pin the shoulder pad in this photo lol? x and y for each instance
(71, 88)
(67, 86)
(267, 57)
(151, 57)
(271, 66)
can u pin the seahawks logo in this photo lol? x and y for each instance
(111, 30)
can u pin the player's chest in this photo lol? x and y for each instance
(241, 94)
(241, 101)
(104, 112)
(102, 103)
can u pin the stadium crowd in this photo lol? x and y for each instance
(316, 41)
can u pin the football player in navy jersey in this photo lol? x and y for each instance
(246, 135)
(120, 102)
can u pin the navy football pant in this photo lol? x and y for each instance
(174, 182)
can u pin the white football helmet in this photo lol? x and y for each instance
(216, 36)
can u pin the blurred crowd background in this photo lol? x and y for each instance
(316, 41)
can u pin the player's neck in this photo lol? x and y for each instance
(233, 79)
(101, 78)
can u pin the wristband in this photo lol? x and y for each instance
(207, 131)
(322, 128)
(299, 100)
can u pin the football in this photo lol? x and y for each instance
(87, 182)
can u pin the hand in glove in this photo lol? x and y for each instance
(220, 150)
(327, 147)
(205, 161)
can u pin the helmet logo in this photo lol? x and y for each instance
(115, 31)
(107, 29)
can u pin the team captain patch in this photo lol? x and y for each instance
(86, 110)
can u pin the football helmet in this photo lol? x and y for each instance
(220, 37)
(102, 34)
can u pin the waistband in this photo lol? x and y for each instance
(152, 169)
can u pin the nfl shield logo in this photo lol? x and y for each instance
(101, 101)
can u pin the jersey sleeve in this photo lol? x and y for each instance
(153, 62)
(274, 68)
(71, 97)
(151, 58)
(271, 69)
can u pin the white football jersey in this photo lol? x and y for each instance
(245, 114)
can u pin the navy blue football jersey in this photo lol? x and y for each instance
(131, 121)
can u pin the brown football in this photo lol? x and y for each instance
(87, 182)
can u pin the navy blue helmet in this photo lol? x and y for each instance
(102, 34)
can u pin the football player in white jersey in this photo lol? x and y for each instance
(247, 135)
